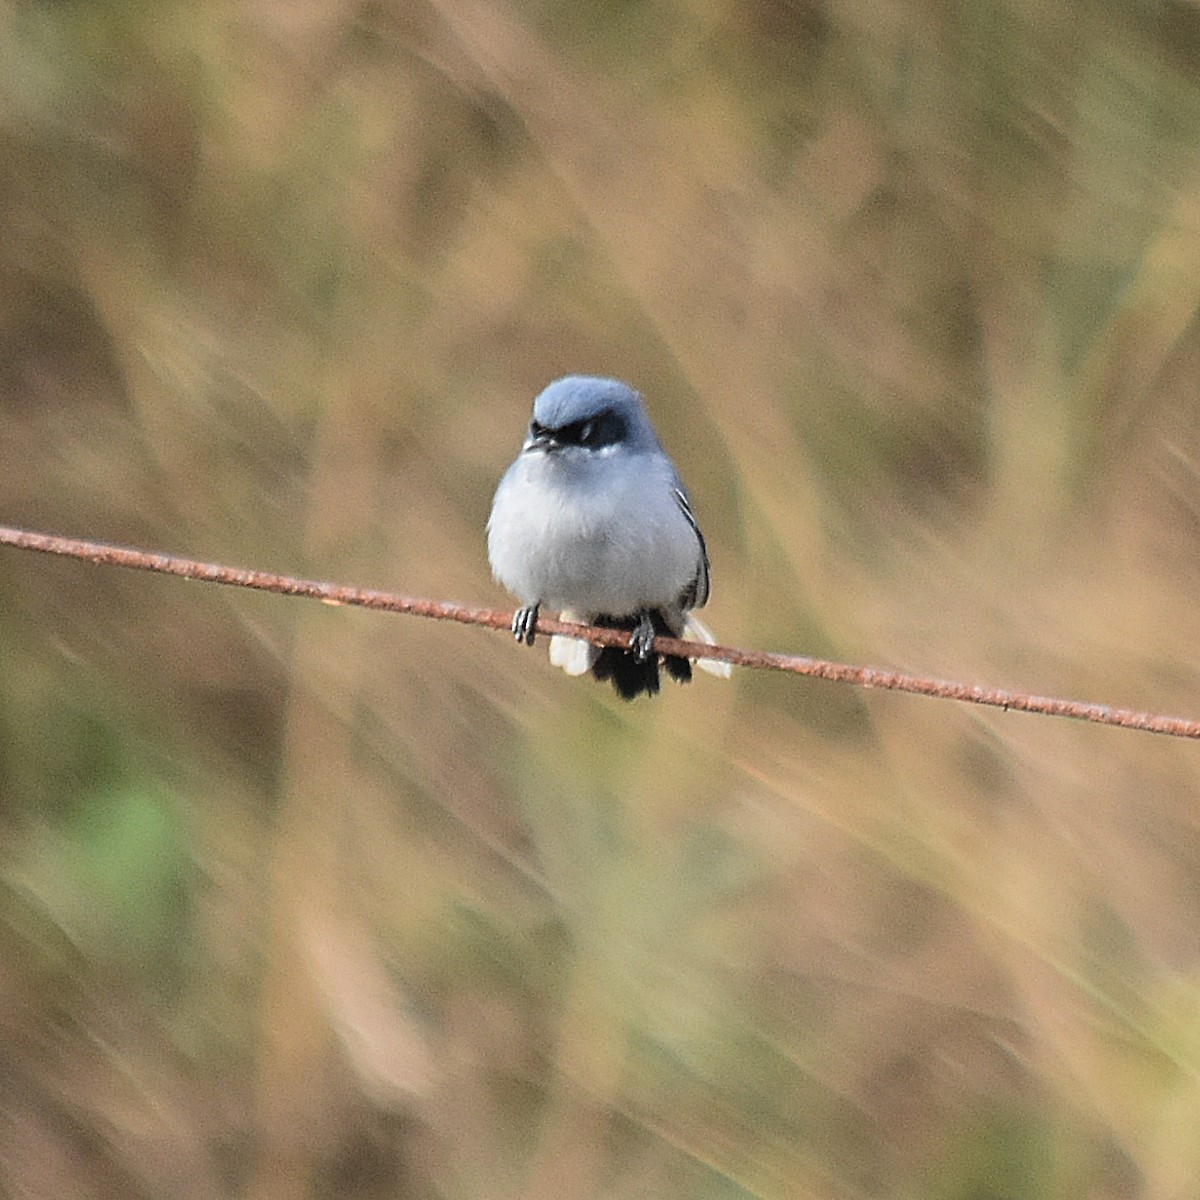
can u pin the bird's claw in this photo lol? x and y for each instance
(641, 640)
(524, 623)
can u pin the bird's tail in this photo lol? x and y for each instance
(629, 677)
(576, 657)
(694, 631)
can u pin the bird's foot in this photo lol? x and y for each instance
(641, 640)
(524, 624)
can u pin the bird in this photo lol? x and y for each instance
(592, 519)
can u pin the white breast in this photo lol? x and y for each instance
(606, 540)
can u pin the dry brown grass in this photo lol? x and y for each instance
(309, 902)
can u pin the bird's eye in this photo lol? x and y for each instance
(587, 432)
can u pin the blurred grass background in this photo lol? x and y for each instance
(306, 902)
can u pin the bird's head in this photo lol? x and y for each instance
(585, 415)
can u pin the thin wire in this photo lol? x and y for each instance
(442, 610)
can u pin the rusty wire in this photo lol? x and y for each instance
(441, 610)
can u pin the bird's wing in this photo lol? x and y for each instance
(696, 595)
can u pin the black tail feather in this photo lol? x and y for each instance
(629, 677)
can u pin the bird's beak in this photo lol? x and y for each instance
(542, 440)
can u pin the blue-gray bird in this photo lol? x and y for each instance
(593, 520)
